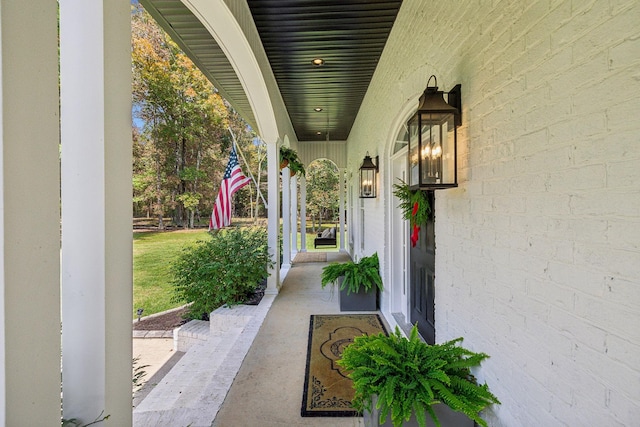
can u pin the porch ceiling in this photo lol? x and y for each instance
(348, 34)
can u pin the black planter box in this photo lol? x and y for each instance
(447, 417)
(358, 301)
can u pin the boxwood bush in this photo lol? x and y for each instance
(225, 268)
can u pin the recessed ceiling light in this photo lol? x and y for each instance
(318, 62)
(317, 109)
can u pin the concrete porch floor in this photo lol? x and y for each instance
(267, 390)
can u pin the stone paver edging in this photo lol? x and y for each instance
(193, 391)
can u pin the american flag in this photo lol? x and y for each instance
(232, 181)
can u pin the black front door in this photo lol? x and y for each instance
(422, 261)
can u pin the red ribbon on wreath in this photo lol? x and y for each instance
(416, 229)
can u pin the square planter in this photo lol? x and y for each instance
(358, 301)
(447, 417)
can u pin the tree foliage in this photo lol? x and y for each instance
(182, 145)
(322, 191)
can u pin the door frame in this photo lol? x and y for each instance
(399, 237)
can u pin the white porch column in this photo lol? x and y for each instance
(341, 191)
(95, 70)
(29, 215)
(303, 214)
(286, 221)
(294, 215)
(273, 215)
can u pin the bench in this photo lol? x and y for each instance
(326, 238)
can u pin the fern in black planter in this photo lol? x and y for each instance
(358, 283)
(409, 377)
(364, 274)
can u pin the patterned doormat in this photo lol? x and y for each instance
(327, 389)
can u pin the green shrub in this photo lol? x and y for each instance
(224, 269)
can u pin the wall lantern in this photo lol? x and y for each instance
(368, 178)
(433, 139)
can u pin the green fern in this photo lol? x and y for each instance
(409, 376)
(365, 274)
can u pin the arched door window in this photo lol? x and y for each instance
(402, 139)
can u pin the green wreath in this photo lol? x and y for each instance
(414, 205)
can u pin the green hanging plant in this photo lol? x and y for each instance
(296, 167)
(414, 205)
(289, 157)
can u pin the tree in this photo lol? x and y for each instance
(322, 191)
(182, 146)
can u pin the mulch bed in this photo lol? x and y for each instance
(257, 295)
(164, 322)
(172, 320)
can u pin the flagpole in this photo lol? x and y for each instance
(237, 147)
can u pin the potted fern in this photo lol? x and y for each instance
(296, 167)
(398, 380)
(358, 283)
(289, 157)
(286, 156)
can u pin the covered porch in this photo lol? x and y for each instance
(537, 260)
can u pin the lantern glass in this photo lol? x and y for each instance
(368, 178)
(436, 149)
(432, 144)
(414, 157)
(367, 183)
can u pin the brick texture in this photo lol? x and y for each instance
(538, 250)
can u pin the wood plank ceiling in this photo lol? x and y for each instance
(349, 35)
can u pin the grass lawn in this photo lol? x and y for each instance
(153, 253)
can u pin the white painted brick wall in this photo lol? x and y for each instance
(538, 250)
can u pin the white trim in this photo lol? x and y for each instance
(3, 379)
(341, 195)
(294, 216)
(216, 17)
(286, 221)
(303, 214)
(398, 293)
(273, 217)
(95, 125)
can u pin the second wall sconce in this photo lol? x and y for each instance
(369, 178)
